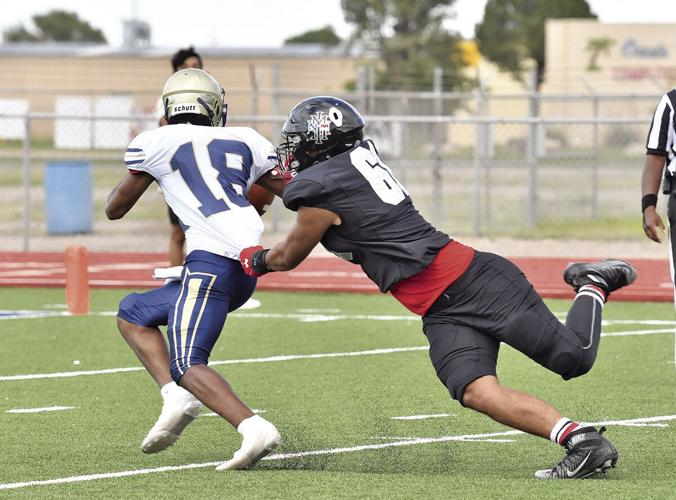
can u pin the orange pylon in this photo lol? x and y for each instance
(77, 280)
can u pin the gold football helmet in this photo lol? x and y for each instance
(193, 90)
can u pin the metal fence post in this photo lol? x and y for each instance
(371, 87)
(276, 136)
(403, 138)
(274, 94)
(361, 87)
(255, 78)
(595, 163)
(26, 174)
(437, 178)
(478, 159)
(534, 112)
(485, 159)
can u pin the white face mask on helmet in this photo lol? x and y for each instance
(193, 90)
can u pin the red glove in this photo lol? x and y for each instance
(253, 261)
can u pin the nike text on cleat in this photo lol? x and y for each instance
(177, 413)
(256, 443)
(587, 453)
(608, 275)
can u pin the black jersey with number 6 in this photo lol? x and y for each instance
(380, 228)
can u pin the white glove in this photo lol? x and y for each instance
(168, 274)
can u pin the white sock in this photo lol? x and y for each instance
(561, 430)
(250, 423)
(168, 389)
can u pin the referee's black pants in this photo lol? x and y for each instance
(671, 215)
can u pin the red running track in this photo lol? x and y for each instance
(316, 274)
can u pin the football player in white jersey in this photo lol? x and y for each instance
(204, 172)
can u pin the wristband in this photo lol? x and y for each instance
(258, 262)
(649, 200)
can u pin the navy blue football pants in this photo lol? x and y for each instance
(193, 309)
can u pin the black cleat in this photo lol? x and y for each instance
(587, 452)
(608, 275)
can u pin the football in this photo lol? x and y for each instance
(260, 198)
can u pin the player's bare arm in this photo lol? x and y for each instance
(650, 183)
(126, 194)
(311, 224)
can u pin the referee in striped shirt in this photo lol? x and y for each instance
(660, 152)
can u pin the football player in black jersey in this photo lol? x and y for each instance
(348, 199)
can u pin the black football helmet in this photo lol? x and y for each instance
(317, 129)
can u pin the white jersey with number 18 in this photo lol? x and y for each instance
(204, 174)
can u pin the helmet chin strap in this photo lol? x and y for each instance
(224, 114)
(207, 109)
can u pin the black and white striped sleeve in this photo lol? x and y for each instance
(662, 134)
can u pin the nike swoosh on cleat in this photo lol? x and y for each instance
(577, 469)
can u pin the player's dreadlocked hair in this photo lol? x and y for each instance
(179, 57)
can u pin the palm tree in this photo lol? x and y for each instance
(597, 46)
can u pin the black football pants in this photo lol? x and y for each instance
(493, 302)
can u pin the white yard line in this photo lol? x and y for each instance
(212, 414)
(636, 332)
(313, 315)
(108, 475)
(423, 417)
(25, 314)
(488, 437)
(270, 359)
(40, 410)
(644, 425)
(70, 374)
(309, 310)
(304, 317)
(634, 421)
(655, 322)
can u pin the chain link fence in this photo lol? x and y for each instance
(475, 163)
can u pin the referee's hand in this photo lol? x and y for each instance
(652, 224)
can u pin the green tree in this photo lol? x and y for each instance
(410, 39)
(56, 26)
(325, 36)
(19, 34)
(597, 46)
(514, 30)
